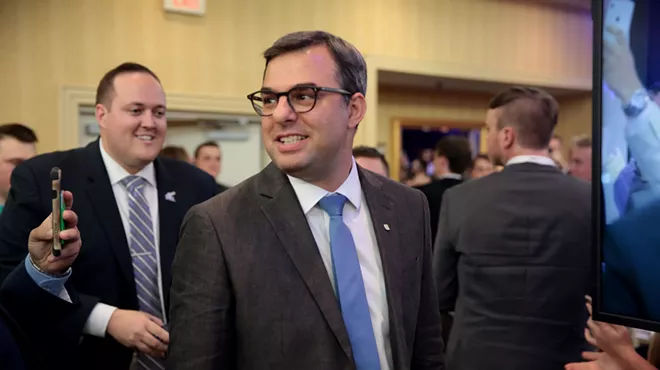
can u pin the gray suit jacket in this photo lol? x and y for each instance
(513, 259)
(250, 290)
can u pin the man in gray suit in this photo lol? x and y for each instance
(512, 256)
(314, 263)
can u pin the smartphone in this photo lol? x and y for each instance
(619, 14)
(58, 209)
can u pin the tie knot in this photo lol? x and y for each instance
(133, 183)
(333, 204)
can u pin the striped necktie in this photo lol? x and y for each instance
(142, 245)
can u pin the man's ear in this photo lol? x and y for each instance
(357, 107)
(508, 137)
(100, 112)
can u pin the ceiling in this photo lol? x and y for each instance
(425, 82)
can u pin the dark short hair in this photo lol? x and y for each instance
(19, 132)
(106, 87)
(351, 67)
(532, 112)
(204, 145)
(174, 152)
(457, 151)
(370, 152)
(478, 157)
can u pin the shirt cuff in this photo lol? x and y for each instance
(52, 284)
(98, 320)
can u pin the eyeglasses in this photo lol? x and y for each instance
(301, 99)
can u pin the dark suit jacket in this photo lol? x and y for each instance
(434, 192)
(103, 271)
(513, 259)
(250, 290)
(630, 273)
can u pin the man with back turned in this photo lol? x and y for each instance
(313, 263)
(512, 256)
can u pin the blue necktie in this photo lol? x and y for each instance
(350, 286)
(142, 245)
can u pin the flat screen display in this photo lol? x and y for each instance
(627, 161)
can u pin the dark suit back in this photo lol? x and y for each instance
(434, 192)
(513, 258)
(250, 289)
(103, 270)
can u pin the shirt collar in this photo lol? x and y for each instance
(538, 159)
(116, 172)
(450, 175)
(309, 195)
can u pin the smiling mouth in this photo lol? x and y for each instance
(147, 138)
(291, 139)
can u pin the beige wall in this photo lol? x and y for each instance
(574, 118)
(47, 44)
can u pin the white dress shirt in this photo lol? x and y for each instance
(98, 320)
(538, 159)
(358, 219)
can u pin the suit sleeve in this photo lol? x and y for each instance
(202, 303)
(52, 324)
(22, 213)
(428, 351)
(445, 259)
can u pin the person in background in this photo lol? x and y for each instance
(17, 144)
(208, 157)
(451, 159)
(481, 166)
(267, 274)
(556, 150)
(418, 176)
(175, 152)
(512, 258)
(371, 159)
(580, 158)
(130, 204)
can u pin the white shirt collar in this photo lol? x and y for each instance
(116, 172)
(538, 159)
(450, 175)
(309, 194)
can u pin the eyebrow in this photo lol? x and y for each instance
(142, 105)
(302, 84)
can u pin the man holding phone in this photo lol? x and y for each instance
(130, 205)
(28, 293)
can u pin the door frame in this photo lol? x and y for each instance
(399, 123)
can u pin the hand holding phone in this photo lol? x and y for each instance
(58, 210)
(619, 14)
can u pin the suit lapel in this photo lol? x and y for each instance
(169, 215)
(383, 218)
(102, 200)
(285, 215)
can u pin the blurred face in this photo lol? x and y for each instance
(209, 160)
(427, 155)
(133, 126)
(555, 145)
(482, 167)
(580, 163)
(12, 153)
(416, 167)
(373, 165)
(314, 145)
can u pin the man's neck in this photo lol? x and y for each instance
(3, 200)
(525, 151)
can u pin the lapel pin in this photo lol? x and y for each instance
(170, 196)
(387, 227)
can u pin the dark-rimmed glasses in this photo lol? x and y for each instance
(301, 99)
